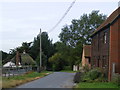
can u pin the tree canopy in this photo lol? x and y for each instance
(66, 52)
(80, 30)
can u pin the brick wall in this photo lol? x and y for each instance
(114, 57)
(100, 49)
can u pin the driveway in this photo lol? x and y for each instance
(55, 80)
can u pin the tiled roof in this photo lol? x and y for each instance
(87, 50)
(109, 20)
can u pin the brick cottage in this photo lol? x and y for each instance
(105, 47)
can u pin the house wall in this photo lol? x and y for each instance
(100, 49)
(119, 44)
(114, 48)
(85, 60)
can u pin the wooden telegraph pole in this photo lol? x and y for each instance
(40, 51)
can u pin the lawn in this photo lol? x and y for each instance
(96, 85)
(18, 80)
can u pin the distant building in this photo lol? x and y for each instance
(26, 59)
(86, 56)
(106, 45)
(9, 64)
(23, 59)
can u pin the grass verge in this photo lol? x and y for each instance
(21, 79)
(96, 85)
(68, 71)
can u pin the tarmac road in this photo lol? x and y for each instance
(55, 80)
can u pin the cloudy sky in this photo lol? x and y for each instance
(20, 21)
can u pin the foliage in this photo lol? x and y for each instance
(74, 36)
(44, 59)
(96, 75)
(3, 57)
(57, 62)
(80, 30)
(67, 68)
(33, 49)
(78, 77)
(68, 51)
(116, 79)
(86, 68)
(69, 55)
(93, 75)
(47, 48)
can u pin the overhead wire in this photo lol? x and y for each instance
(71, 5)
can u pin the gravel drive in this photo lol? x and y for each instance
(55, 80)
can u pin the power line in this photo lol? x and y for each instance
(62, 17)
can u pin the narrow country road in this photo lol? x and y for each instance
(55, 80)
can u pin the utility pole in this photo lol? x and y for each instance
(40, 52)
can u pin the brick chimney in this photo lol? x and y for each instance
(17, 58)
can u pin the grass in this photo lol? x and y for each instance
(18, 80)
(96, 85)
(68, 71)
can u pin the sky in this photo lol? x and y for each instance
(21, 20)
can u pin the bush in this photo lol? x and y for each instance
(67, 68)
(78, 77)
(86, 68)
(96, 74)
(116, 79)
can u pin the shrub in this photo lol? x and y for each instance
(86, 68)
(96, 74)
(78, 77)
(116, 79)
(67, 68)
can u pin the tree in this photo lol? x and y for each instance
(80, 30)
(57, 62)
(74, 36)
(47, 48)
(3, 57)
(44, 60)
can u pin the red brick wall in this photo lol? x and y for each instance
(119, 45)
(114, 56)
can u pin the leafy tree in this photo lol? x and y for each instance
(47, 48)
(44, 60)
(57, 62)
(80, 30)
(75, 35)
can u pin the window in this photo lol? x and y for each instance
(89, 60)
(105, 37)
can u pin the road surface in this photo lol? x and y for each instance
(55, 80)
